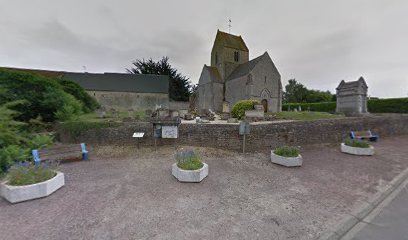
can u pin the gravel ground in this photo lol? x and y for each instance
(126, 193)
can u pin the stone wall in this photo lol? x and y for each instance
(178, 105)
(261, 137)
(123, 101)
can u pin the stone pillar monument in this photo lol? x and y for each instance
(352, 97)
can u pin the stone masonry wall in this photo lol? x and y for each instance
(261, 137)
(123, 101)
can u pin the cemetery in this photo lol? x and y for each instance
(115, 173)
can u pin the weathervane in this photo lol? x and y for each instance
(229, 26)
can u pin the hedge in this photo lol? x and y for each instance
(314, 107)
(388, 105)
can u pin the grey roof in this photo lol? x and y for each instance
(214, 73)
(229, 40)
(120, 82)
(352, 84)
(245, 68)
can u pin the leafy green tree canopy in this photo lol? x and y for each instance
(43, 97)
(179, 85)
(295, 92)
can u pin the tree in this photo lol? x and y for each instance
(41, 96)
(314, 96)
(295, 92)
(179, 85)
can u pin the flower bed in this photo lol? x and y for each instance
(287, 156)
(25, 181)
(357, 150)
(16, 194)
(189, 167)
(357, 147)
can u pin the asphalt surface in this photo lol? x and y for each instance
(129, 193)
(391, 223)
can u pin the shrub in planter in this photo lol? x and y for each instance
(287, 151)
(356, 143)
(26, 173)
(286, 156)
(357, 147)
(238, 110)
(189, 167)
(188, 160)
(25, 181)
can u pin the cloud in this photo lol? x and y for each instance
(317, 42)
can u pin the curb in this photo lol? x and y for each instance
(364, 210)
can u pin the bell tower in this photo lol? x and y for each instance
(228, 52)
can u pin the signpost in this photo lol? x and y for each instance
(165, 128)
(244, 128)
(138, 135)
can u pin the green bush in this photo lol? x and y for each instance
(188, 160)
(89, 103)
(11, 154)
(27, 174)
(16, 142)
(314, 107)
(42, 96)
(70, 110)
(286, 151)
(238, 110)
(40, 141)
(356, 143)
(388, 105)
(10, 130)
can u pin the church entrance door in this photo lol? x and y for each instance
(264, 103)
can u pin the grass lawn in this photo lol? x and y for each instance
(306, 115)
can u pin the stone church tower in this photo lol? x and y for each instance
(228, 52)
(232, 76)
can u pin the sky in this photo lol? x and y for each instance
(317, 42)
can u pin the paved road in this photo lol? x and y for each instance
(391, 223)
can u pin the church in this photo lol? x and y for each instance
(232, 77)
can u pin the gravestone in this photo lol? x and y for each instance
(225, 107)
(352, 97)
(130, 112)
(114, 113)
(254, 113)
(148, 113)
(259, 107)
(174, 113)
(101, 113)
(183, 112)
(188, 116)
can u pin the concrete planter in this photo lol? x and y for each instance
(15, 194)
(287, 161)
(357, 151)
(189, 175)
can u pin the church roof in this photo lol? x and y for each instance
(214, 74)
(232, 41)
(121, 82)
(245, 68)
